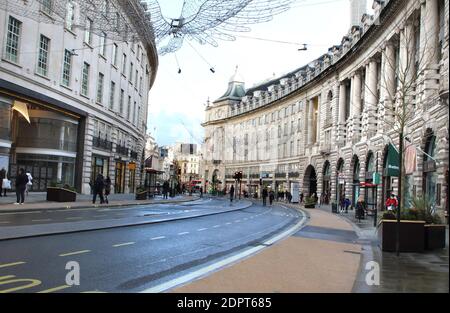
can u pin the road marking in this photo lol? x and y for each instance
(75, 252)
(6, 277)
(100, 215)
(202, 229)
(156, 238)
(11, 264)
(228, 223)
(5, 222)
(124, 244)
(42, 220)
(54, 289)
(14, 213)
(237, 221)
(216, 226)
(183, 233)
(221, 264)
(74, 218)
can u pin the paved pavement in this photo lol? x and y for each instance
(138, 258)
(329, 254)
(37, 201)
(321, 257)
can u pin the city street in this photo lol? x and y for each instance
(135, 258)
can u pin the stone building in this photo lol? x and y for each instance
(73, 100)
(328, 125)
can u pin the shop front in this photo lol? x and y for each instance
(119, 183)
(131, 177)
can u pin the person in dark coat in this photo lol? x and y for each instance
(264, 195)
(3, 175)
(99, 185)
(271, 197)
(165, 189)
(21, 185)
(108, 184)
(231, 193)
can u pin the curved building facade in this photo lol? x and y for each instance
(73, 100)
(331, 124)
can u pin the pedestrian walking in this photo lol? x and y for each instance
(301, 197)
(342, 204)
(5, 183)
(99, 185)
(29, 183)
(21, 185)
(231, 194)
(264, 195)
(271, 197)
(360, 208)
(108, 184)
(165, 190)
(347, 203)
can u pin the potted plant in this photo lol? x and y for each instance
(434, 228)
(411, 233)
(420, 228)
(60, 192)
(141, 193)
(310, 202)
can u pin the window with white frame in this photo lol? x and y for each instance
(124, 64)
(114, 54)
(140, 84)
(129, 108)
(47, 6)
(70, 15)
(88, 31)
(67, 68)
(44, 48)
(112, 91)
(100, 87)
(85, 79)
(13, 40)
(130, 77)
(103, 43)
(121, 100)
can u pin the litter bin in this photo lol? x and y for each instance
(334, 208)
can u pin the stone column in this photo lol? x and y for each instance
(356, 101)
(310, 121)
(429, 31)
(371, 97)
(389, 72)
(342, 96)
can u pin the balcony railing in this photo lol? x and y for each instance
(133, 155)
(122, 150)
(102, 143)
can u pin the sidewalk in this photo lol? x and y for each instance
(329, 254)
(37, 201)
(311, 260)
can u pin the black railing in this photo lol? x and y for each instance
(102, 143)
(122, 150)
(133, 154)
(280, 175)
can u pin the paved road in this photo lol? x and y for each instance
(132, 259)
(105, 213)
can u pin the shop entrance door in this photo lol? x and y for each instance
(119, 177)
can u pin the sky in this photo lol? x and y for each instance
(177, 101)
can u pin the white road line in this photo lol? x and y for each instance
(100, 215)
(228, 223)
(74, 218)
(159, 237)
(123, 244)
(183, 233)
(14, 213)
(218, 265)
(75, 252)
(237, 221)
(216, 226)
(42, 220)
(5, 222)
(202, 229)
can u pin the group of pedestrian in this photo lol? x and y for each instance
(267, 194)
(102, 188)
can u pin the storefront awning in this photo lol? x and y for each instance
(392, 162)
(22, 108)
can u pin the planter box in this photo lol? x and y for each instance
(141, 195)
(434, 237)
(310, 206)
(412, 235)
(60, 195)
